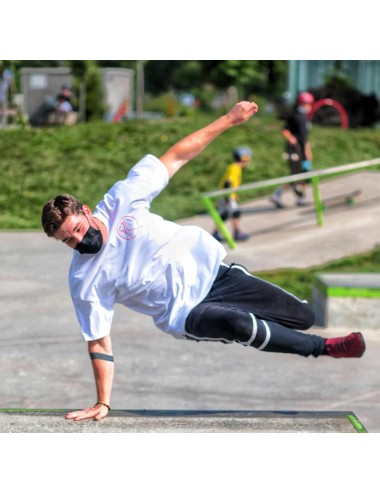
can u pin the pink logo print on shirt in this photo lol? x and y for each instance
(128, 228)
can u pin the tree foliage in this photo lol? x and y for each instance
(249, 77)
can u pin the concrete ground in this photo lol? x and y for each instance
(178, 421)
(44, 363)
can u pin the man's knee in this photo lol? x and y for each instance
(307, 317)
(219, 323)
(241, 328)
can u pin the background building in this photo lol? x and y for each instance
(364, 75)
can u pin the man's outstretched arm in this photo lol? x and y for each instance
(102, 362)
(190, 146)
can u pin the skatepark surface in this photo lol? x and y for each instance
(44, 363)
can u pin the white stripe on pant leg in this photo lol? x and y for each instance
(267, 338)
(242, 268)
(254, 331)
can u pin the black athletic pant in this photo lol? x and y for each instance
(245, 309)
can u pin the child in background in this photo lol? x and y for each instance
(228, 206)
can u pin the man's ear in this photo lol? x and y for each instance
(87, 210)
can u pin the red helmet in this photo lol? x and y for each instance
(305, 97)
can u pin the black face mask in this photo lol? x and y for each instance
(91, 242)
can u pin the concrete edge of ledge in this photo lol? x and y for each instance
(144, 420)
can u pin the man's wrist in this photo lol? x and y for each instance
(104, 404)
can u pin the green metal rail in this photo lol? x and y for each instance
(314, 176)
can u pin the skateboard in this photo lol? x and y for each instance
(347, 198)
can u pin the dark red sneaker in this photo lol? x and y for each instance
(350, 346)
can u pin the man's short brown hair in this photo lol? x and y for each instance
(57, 210)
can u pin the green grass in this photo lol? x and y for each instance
(86, 159)
(300, 281)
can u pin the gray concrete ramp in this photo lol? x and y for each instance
(179, 421)
(290, 237)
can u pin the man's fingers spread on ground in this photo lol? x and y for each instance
(82, 414)
(71, 415)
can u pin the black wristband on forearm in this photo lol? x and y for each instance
(101, 356)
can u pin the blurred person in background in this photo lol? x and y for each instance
(298, 151)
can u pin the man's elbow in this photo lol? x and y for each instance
(173, 163)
